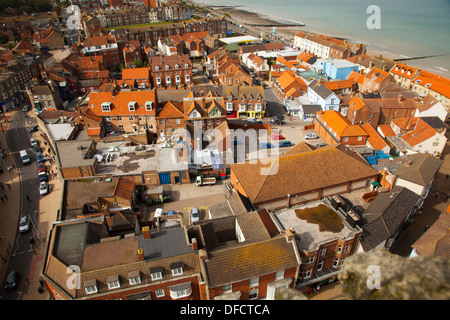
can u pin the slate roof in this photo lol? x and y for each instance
(385, 215)
(436, 240)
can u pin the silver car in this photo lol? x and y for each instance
(24, 223)
(195, 215)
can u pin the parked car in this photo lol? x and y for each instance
(277, 120)
(158, 213)
(39, 157)
(26, 108)
(253, 120)
(195, 215)
(265, 145)
(11, 281)
(285, 143)
(43, 188)
(41, 167)
(33, 129)
(194, 71)
(42, 176)
(24, 223)
(321, 145)
(311, 136)
(33, 142)
(170, 212)
(277, 136)
(37, 149)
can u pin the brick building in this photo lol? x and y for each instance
(171, 72)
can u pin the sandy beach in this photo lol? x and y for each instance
(245, 17)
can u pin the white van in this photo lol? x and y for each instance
(24, 156)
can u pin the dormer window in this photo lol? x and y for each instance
(113, 282)
(156, 273)
(177, 269)
(177, 66)
(167, 67)
(132, 106)
(148, 105)
(106, 106)
(156, 68)
(134, 278)
(195, 114)
(230, 106)
(90, 286)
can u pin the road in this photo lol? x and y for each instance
(22, 251)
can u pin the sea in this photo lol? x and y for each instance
(403, 28)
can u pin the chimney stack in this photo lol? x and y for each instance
(141, 254)
(146, 232)
(203, 255)
(194, 244)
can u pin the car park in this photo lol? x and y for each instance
(11, 281)
(43, 188)
(41, 167)
(195, 216)
(39, 157)
(311, 136)
(24, 222)
(285, 143)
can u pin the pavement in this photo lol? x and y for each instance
(10, 209)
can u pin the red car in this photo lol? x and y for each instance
(41, 167)
(277, 136)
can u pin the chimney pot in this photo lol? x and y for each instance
(203, 254)
(194, 244)
(141, 254)
(146, 232)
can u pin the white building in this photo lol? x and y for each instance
(321, 95)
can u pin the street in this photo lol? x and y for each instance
(21, 253)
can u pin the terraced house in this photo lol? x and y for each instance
(171, 72)
(125, 111)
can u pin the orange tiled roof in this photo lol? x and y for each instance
(118, 102)
(336, 85)
(416, 130)
(376, 141)
(378, 74)
(171, 109)
(340, 124)
(403, 70)
(287, 78)
(356, 76)
(136, 73)
(357, 103)
(387, 130)
(434, 85)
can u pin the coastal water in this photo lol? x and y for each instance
(408, 28)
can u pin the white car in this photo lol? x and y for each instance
(194, 215)
(311, 136)
(158, 213)
(24, 223)
(33, 142)
(43, 188)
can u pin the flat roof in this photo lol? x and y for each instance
(308, 235)
(239, 39)
(71, 153)
(165, 243)
(60, 131)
